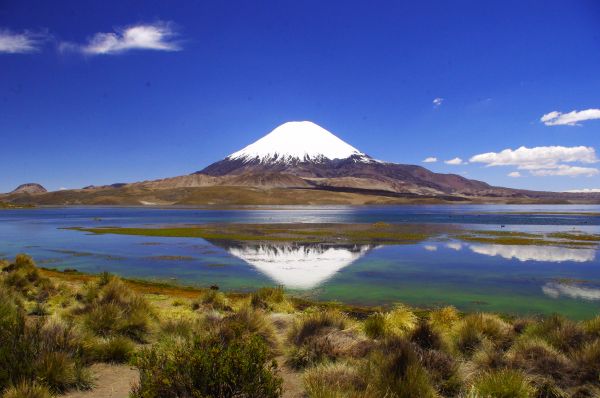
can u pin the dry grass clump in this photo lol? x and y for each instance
(592, 327)
(249, 321)
(227, 358)
(110, 307)
(23, 277)
(115, 349)
(212, 299)
(374, 326)
(505, 383)
(444, 318)
(334, 380)
(560, 332)
(587, 361)
(314, 337)
(471, 332)
(400, 320)
(394, 370)
(271, 299)
(47, 351)
(26, 389)
(536, 357)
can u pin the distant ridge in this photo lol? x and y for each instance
(298, 163)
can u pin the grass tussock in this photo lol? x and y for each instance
(271, 299)
(334, 380)
(27, 390)
(227, 359)
(212, 299)
(504, 383)
(109, 307)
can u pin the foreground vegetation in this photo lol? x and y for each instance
(204, 343)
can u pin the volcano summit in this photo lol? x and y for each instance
(301, 163)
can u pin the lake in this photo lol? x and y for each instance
(519, 279)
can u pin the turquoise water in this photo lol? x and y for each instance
(471, 276)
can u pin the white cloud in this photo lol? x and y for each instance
(430, 248)
(543, 160)
(555, 290)
(437, 102)
(566, 170)
(572, 118)
(454, 246)
(430, 159)
(19, 43)
(585, 190)
(158, 37)
(514, 174)
(454, 162)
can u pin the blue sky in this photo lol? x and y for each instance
(119, 91)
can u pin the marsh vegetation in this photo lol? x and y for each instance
(203, 342)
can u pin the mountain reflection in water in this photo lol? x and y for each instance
(297, 266)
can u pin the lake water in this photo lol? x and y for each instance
(472, 276)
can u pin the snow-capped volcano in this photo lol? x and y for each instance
(297, 142)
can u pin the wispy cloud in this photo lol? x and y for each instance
(158, 37)
(514, 174)
(572, 118)
(544, 160)
(19, 43)
(585, 190)
(430, 159)
(454, 162)
(437, 102)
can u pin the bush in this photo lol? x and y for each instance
(374, 326)
(110, 307)
(27, 390)
(504, 384)
(208, 366)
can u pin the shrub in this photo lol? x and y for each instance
(207, 366)
(504, 384)
(374, 326)
(400, 320)
(27, 390)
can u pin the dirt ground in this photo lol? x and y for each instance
(111, 381)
